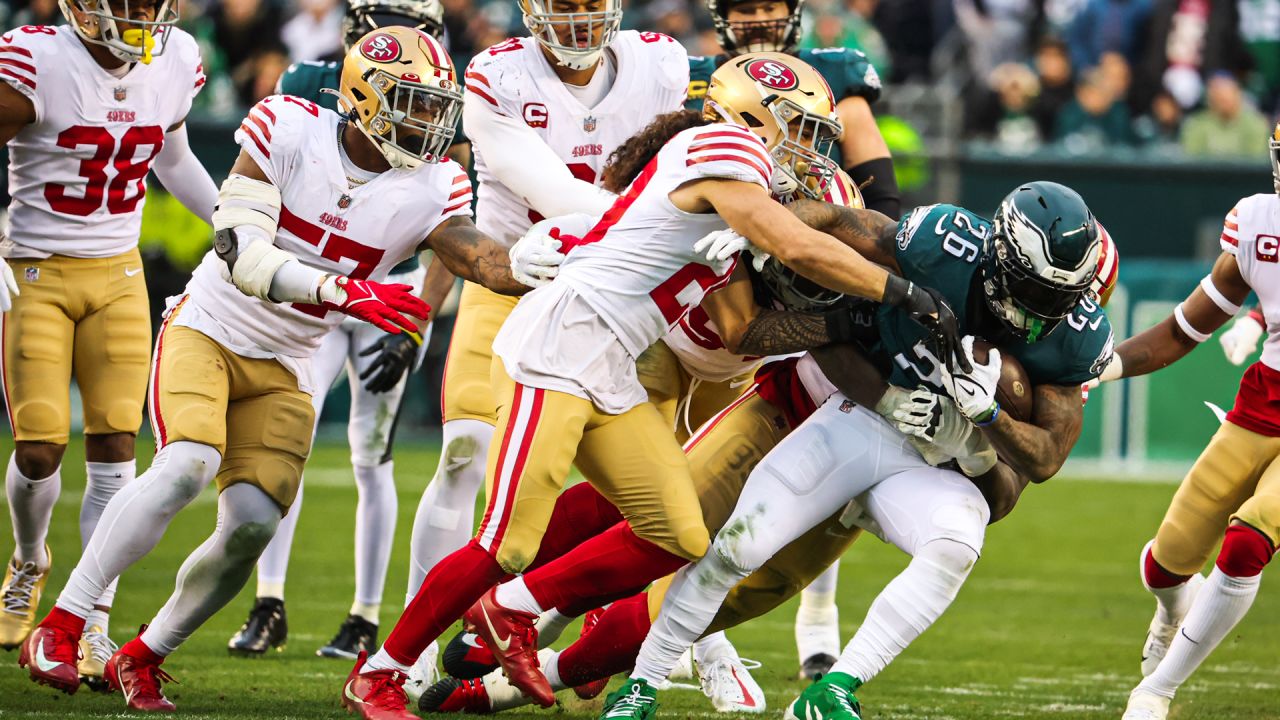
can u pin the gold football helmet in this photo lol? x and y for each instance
(1274, 144)
(141, 40)
(789, 105)
(798, 293)
(575, 38)
(399, 86)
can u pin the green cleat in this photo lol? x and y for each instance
(636, 700)
(831, 698)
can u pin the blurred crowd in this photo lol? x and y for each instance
(1195, 76)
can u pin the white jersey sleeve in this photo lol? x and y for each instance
(1251, 232)
(730, 152)
(271, 133)
(23, 51)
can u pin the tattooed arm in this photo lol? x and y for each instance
(867, 231)
(748, 329)
(1038, 448)
(472, 255)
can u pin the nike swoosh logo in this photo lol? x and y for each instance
(42, 662)
(498, 642)
(131, 272)
(1188, 637)
(128, 694)
(346, 691)
(747, 700)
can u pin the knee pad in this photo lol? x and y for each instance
(1245, 551)
(1262, 513)
(955, 558)
(186, 468)
(735, 548)
(963, 521)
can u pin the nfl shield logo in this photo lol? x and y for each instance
(589, 124)
(121, 93)
(33, 274)
(847, 406)
(344, 202)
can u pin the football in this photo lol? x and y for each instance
(1013, 392)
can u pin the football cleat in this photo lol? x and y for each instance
(815, 666)
(140, 682)
(635, 700)
(51, 656)
(592, 689)
(423, 673)
(730, 687)
(451, 695)
(356, 635)
(831, 698)
(1161, 634)
(20, 598)
(514, 641)
(685, 668)
(267, 627)
(96, 648)
(1146, 706)
(377, 694)
(467, 657)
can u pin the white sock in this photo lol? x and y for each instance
(713, 647)
(551, 670)
(1221, 603)
(515, 595)
(31, 508)
(445, 519)
(907, 606)
(273, 566)
(104, 480)
(375, 532)
(99, 618)
(818, 618)
(382, 661)
(550, 625)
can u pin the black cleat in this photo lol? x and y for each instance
(815, 666)
(266, 628)
(354, 635)
(467, 657)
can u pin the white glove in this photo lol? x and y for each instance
(720, 245)
(933, 418)
(974, 392)
(8, 288)
(536, 257)
(1241, 339)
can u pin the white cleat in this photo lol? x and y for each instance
(730, 687)
(1160, 634)
(684, 669)
(424, 673)
(1146, 706)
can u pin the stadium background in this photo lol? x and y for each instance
(1156, 110)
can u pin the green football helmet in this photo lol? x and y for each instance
(1042, 258)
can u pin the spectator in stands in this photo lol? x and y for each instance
(315, 33)
(1116, 73)
(912, 29)
(1016, 87)
(1187, 41)
(1160, 128)
(248, 31)
(37, 12)
(1103, 26)
(1228, 126)
(995, 32)
(1054, 70)
(1095, 118)
(849, 25)
(1260, 30)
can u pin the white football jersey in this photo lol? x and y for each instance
(361, 232)
(514, 79)
(78, 174)
(1252, 233)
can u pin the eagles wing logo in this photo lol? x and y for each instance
(381, 48)
(772, 74)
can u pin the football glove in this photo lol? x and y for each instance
(974, 390)
(396, 355)
(1241, 339)
(720, 245)
(8, 288)
(376, 303)
(536, 256)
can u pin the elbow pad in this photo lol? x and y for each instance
(245, 224)
(245, 201)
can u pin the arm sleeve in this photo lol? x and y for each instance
(184, 177)
(522, 161)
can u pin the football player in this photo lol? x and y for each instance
(312, 210)
(377, 366)
(543, 113)
(1031, 301)
(1232, 493)
(567, 380)
(774, 25)
(88, 109)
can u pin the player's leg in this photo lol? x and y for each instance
(37, 351)
(1223, 477)
(112, 391)
(189, 394)
(1223, 600)
(818, 625)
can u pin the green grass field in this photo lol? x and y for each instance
(1049, 626)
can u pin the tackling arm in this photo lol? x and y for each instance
(183, 176)
(472, 255)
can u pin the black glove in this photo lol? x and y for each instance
(397, 354)
(927, 307)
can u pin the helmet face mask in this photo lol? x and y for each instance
(802, 160)
(128, 37)
(575, 37)
(365, 16)
(778, 34)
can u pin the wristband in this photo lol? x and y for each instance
(991, 416)
(896, 290)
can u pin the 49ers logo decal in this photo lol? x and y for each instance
(772, 74)
(381, 48)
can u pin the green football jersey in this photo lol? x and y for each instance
(848, 72)
(942, 247)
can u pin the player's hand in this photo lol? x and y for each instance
(8, 288)
(1241, 339)
(376, 303)
(396, 355)
(536, 257)
(927, 307)
(934, 418)
(720, 245)
(974, 391)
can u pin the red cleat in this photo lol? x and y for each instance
(595, 687)
(51, 655)
(513, 639)
(139, 681)
(452, 695)
(376, 694)
(466, 657)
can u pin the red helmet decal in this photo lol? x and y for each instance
(411, 77)
(772, 74)
(380, 48)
